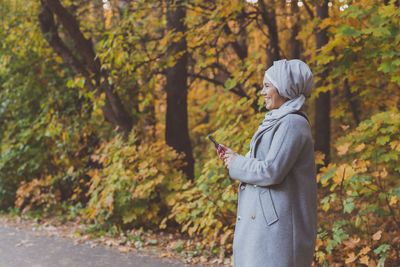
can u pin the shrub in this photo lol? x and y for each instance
(359, 212)
(135, 184)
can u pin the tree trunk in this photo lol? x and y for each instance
(176, 132)
(322, 103)
(352, 102)
(268, 16)
(295, 44)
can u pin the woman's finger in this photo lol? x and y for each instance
(224, 148)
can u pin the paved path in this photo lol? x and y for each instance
(22, 248)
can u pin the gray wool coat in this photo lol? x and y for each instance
(276, 220)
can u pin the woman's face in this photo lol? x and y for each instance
(273, 100)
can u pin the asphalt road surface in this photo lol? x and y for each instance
(22, 248)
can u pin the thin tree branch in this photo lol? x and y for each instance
(308, 9)
(71, 25)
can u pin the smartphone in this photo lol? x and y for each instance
(217, 146)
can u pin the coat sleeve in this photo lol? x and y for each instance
(285, 149)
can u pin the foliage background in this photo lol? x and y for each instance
(59, 154)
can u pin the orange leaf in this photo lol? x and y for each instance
(319, 243)
(352, 257)
(377, 235)
(345, 127)
(359, 147)
(372, 263)
(351, 242)
(364, 260)
(163, 255)
(124, 249)
(342, 150)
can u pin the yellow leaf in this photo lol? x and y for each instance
(395, 145)
(359, 147)
(318, 243)
(342, 150)
(359, 165)
(163, 255)
(364, 251)
(319, 157)
(364, 260)
(393, 200)
(343, 172)
(377, 235)
(225, 236)
(352, 257)
(384, 173)
(124, 249)
(375, 174)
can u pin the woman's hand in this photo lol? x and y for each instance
(227, 156)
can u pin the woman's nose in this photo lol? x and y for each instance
(263, 91)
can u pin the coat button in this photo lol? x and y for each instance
(238, 218)
(253, 217)
(242, 187)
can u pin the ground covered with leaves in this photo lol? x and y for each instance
(162, 245)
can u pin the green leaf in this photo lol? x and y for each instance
(70, 83)
(229, 84)
(382, 248)
(381, 140)
(348, 31)
(387, 67)
(348, 205)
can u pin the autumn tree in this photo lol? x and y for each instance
(87, 64)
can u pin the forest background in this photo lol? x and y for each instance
(105, 108)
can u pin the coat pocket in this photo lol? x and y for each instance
(267, 206)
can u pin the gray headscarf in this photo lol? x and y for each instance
(294, 80)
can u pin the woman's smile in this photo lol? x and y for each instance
(271, 96)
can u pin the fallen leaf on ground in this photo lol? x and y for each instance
(23, 242)
(377, 235)
(364, 260)
(364, 251)
(203, 259)
(372, 263)
(351, 242)
(352, 257)
(163, 255)
(124, 250)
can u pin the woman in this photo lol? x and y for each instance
(277, 204)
